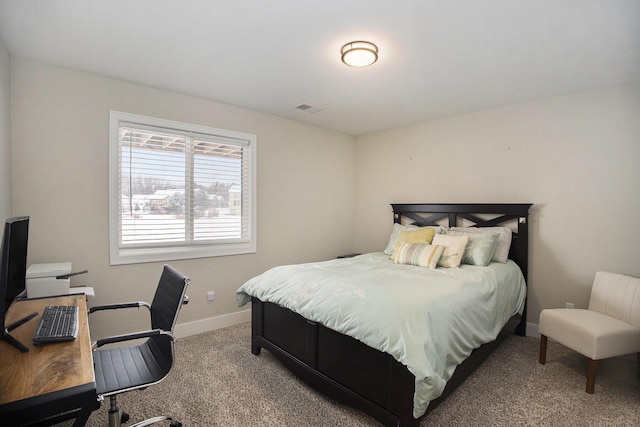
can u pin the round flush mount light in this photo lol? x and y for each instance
(359, 54)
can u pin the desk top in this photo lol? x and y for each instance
(50, 368)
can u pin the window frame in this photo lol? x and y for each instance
(172, 251)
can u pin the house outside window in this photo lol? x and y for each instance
(179, 190)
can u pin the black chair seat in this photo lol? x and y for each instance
(122, 368)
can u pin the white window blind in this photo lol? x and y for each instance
(179, 190)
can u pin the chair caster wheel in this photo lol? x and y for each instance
(124, 418)
(175, 424)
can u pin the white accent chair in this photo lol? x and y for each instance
(609, 327)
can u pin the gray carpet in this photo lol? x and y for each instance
(218, 382)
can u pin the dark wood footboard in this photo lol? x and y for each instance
(337, 365)
(347, 370)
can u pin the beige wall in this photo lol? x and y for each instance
(5, 134)
(306, 183)
(575, 157)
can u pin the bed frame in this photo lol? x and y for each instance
(359, 376)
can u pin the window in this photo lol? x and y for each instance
(179, 190)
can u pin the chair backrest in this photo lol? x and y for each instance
(168, 299)
(616, 295)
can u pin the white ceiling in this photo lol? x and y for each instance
(437, 57)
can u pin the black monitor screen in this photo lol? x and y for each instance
(14, 260)
(13, 270)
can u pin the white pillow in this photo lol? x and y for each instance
(501, 254)
(454, 247)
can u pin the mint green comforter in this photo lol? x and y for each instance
(428, 319)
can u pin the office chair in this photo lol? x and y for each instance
(122, 369)
(609, 327)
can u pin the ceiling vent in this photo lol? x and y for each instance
(308, 108)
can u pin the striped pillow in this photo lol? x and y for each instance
(419, 254)
(422, 235)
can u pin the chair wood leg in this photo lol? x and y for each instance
(543, 350)
(591, 375)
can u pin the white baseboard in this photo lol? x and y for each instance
(532, 330)
(199, 326)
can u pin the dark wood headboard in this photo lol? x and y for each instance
(512, 215)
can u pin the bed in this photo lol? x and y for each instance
(373, 361)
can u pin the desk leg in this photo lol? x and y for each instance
(83, 415)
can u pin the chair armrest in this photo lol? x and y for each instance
(129, 337)
(118, 306)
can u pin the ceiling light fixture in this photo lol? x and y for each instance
(359, 54)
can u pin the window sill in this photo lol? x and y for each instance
(143, 255)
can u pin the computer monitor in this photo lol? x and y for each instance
(13, 269)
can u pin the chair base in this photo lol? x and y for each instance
(118, 417)
(157, 420)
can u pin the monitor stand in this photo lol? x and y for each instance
(11, 340)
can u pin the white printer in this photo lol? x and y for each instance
(44, 280)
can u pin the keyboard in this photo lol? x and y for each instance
(58, 323)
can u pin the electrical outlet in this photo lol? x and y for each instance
(568, 304)
(211, 296)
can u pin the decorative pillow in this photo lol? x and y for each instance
(421, 235)
(419, 254)
(453, 251)
(480, 248)
(399, 228)
(501, 254)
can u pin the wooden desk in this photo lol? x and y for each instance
(51, 380)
